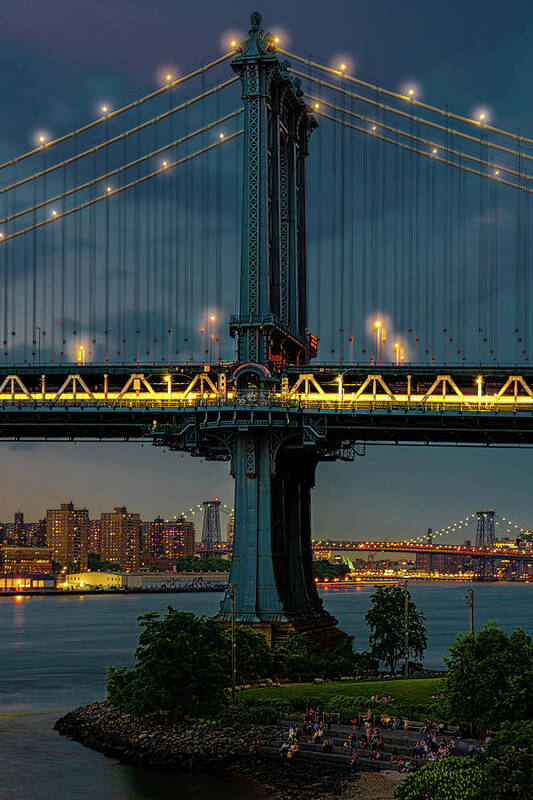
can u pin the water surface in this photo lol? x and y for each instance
(53, 654)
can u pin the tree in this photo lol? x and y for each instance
(95, 564)
(508, 762)
(182, 666)
(325, 569)
(490, 677)
(254, 657)
(299, 658)
(195, 564)
(386, 621)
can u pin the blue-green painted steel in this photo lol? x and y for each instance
(272, 320)
(271, 571)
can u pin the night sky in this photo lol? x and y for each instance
(59, 59)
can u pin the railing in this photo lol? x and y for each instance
(295, 403)
(303, 392)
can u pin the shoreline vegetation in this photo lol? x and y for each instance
(464, 734)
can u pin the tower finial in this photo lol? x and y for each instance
(255, 19)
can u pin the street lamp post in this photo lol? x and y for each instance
(470, 599)
(39, 347)
(377, 325)
(211, 336)
(406, 630)
(233, 646)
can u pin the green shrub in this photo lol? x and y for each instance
(246, 716)
(504, 771)
(453, 778)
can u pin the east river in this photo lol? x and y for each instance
(53, 655)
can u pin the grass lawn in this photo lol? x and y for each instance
(410, 690)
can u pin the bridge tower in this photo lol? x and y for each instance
(271, 326)
(485, 537)
(274, 470)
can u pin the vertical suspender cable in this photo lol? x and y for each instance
(155, 258)
(364, 156)
(106, 257)
(12, 283)
(218, 248)
(124, 262)
(171, 246)
(333, 206)
(44, 267)
(342, 243)
(64, 225)
(318, 240)
(92, 268)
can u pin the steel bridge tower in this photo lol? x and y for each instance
(272, 570)
(485, 537)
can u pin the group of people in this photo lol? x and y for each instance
(366, 737)
(315, 729)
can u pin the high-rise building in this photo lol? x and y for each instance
(178, 538)
(156, 538)
(169, 539)
(36, 533)
(120, 538)
(93, 544)
(19, 530)
(211, 527)
(67, 532)
(146, 537)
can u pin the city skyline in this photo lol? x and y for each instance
(387, 479)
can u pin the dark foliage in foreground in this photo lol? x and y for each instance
(183, 664)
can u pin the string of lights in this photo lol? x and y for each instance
(108, 114)
(409, 97)
(113, 192)
(430, 155)
(119, 170)
(410, 116)
(119, 138)
(452, 528)
(199, 508)
(433, 146)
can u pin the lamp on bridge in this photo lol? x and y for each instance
(377, 325)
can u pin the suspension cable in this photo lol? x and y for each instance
(122, 168)
(399, 96)
(414, 137)
(431, 156)
(445, 129)
(126, 186)
(119, 137)
(112, 114)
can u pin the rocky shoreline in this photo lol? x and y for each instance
(156, 741)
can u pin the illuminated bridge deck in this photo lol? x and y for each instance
(332, 403)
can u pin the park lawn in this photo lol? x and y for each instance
(410, 690)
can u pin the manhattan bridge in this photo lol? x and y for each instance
(370, 252)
